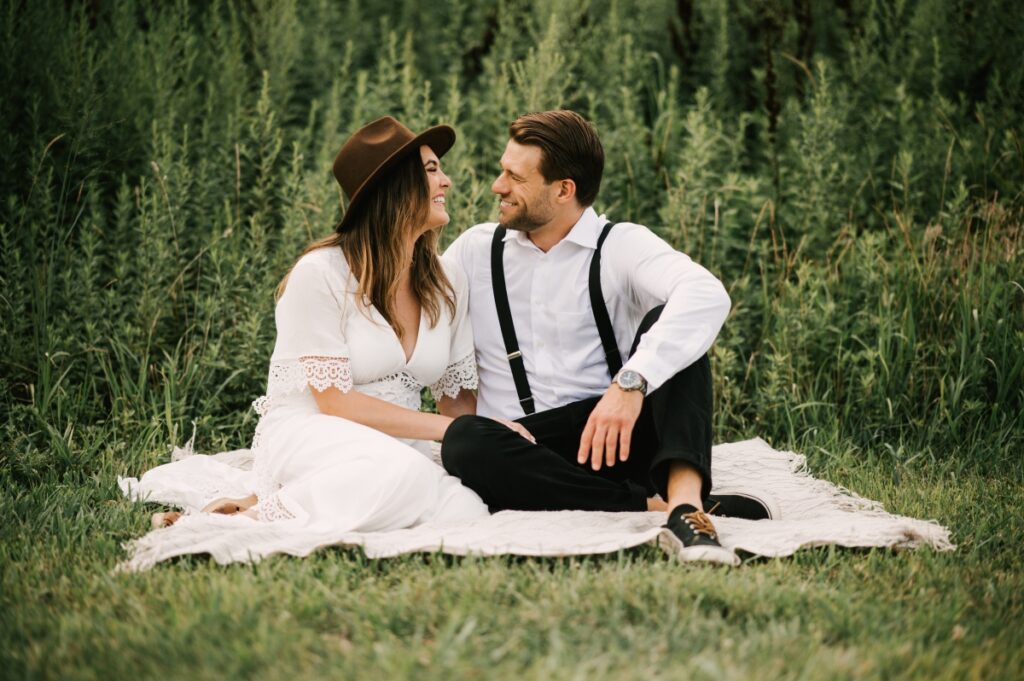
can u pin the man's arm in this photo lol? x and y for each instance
(696, 304)
(649, 271)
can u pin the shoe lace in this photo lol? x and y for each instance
(701, 523)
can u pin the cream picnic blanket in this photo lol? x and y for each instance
(813, 512)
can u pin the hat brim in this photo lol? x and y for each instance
(439, 138)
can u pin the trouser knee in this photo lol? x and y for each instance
(463, 444)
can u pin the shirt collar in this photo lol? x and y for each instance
(584, 233)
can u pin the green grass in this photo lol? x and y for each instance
(825, 613)
(852, 171)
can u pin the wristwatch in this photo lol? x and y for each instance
(629, 380)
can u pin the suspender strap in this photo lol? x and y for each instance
(604, 322)
(508, 329)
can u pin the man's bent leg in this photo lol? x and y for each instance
(681, 413)
(678, 420)
(684, 486)
(510, 472)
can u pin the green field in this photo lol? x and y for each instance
(853, 171)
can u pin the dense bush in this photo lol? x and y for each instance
(852, 171)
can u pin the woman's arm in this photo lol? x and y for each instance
(383, 416)
(463, 404)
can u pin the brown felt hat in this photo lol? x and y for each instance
(376, 147)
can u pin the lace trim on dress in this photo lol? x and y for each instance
(403, 378)
(460, 375)
(265, 485)
(261, 405)
(319, 372)
(269, 507)
(273, 509)
(297, 375)
(399, 388)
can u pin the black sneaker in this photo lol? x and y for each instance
(691, 537)
(747, 505)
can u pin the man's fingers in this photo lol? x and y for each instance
(585, 440)
(624, 438)
(597, 447)
(611, 446)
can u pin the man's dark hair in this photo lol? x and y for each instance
(570, 149)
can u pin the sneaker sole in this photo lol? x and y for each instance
(668, 542)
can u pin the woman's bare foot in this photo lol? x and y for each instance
(228, 506)
(165, 519)
(224, 505)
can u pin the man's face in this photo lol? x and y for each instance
(526, 200)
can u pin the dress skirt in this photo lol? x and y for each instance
(327, 469)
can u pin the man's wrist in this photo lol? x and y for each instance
(628, 380)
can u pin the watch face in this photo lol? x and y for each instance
(630, 380)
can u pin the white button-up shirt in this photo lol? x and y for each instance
(550, 303)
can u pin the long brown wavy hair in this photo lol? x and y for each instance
(373, 243)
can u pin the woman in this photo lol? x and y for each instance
(365, 319)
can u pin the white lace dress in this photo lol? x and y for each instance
(321, 478)
(319, 468)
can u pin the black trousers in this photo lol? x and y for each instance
(510, 472)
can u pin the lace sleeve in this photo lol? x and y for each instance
(320, 373)
(294, 376)
(460, 375)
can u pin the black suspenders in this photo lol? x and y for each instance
(508, 330)
(604, 322)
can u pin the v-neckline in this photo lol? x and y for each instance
(415, 346)
(406, 359)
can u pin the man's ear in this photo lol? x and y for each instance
(566, 191)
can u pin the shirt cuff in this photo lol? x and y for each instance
(654, 371)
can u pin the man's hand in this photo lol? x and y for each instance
(610, 427)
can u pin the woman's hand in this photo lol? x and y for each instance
(517, 427)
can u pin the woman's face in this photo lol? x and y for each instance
(438, 185)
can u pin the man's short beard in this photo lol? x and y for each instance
(523, 223)
(530, 220)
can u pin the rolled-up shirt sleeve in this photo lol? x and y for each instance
(696, 302)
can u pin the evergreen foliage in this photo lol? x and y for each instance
(854, 176)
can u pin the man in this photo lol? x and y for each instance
(593, 433)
